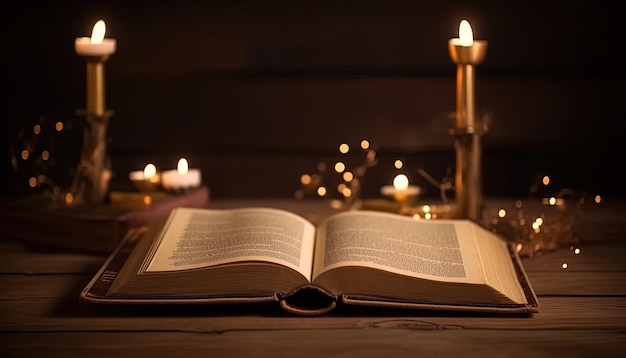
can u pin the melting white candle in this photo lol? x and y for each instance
(182, 178)
(96, 45)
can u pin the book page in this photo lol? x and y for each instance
(431, 249)
(197, 238)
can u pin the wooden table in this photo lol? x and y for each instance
(583, 311)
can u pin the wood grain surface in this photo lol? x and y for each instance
(582, 311)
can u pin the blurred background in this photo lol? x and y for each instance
(257, 93)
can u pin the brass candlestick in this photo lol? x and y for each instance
(93, 174)
(467, 131)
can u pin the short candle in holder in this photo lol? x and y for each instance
(96, 45)
(401, 191)
(181, 179)
(146, 180)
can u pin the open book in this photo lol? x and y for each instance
(357, 257)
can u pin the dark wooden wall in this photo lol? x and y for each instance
(257, 92)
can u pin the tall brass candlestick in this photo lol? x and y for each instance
(93, 174)
(466, 54)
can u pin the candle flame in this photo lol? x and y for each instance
(149, 171)
(183, 166)
(97, 34)
(401, 182)
(465, 33)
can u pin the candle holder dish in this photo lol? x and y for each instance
(145, 185)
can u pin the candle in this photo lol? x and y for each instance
(96, 45)
(182, 178)
(401, 191)
(147, 179)
(466, 53)
(96, 50)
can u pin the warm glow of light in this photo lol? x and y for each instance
(401, 182)
(147, 200)
(576, 251)
(344, 148)
(32, 182)
(25, 154)
(321, 191)
(149, 171)
(552, 200)
(398, 164)
(597, 199)
(428, 216)
(465, 33)
(341, 187)
(545, 180)
(426, 208)
(37, 129)
(536, 226)
(539, 221)
(347, 192)
(305, 179)
(69, 198)
(97, 34)
(501, 213)
(340, 167)
(45, 155)
(564, 265)
(183, 166)
(58, 126)
(348, 176)
(365, 144)
(519, 247)
(417, 217)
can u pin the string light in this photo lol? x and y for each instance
(345, 177)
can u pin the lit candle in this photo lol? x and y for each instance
(466, 53)
(96, 50)
(182, 178)
(96, 45)
(147, 179)
(400, 191)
